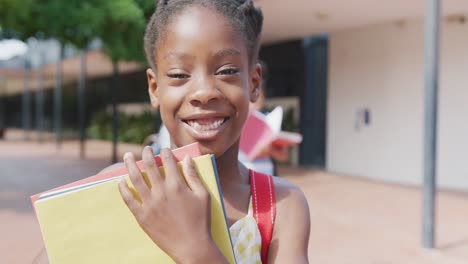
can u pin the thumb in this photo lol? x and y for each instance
(191, 175)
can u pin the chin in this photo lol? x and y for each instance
(218, 149)
(209, 149)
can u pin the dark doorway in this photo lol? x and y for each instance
(299, 68)
(314, 102)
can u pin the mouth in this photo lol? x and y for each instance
(205, 128)
(206, 124)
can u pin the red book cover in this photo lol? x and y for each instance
(260, 130)
(192, 150)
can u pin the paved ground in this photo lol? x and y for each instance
(353, 220)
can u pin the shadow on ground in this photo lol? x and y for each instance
(24, 176)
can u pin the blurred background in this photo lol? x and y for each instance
(351, 76)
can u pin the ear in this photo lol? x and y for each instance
(255, 82)
(152, 88)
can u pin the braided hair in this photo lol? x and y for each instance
(243, 16)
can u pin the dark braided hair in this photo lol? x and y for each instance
(244, 17)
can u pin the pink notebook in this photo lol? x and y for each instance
(261, 130)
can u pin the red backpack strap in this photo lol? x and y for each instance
(264, 207)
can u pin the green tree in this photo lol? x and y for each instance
(70, 22)
(15, 18)
(78, 24)
(119, 24)
(122, 36)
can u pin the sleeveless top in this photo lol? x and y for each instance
(251, 235)
(246, 239)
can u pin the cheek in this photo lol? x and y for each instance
(171, 96)
(237, 95)
(242, 104)
(170, 99)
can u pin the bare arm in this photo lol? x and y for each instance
(292, 228)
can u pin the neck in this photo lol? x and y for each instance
(230, 170)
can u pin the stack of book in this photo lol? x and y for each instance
(88, 222)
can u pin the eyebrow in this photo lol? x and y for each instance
(220, 54)
(178, 55)
(226, 53)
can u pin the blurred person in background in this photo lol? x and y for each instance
(275, 153)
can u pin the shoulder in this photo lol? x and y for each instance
(288, 194)
(292, 226)
(291, 206)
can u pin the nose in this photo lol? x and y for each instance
(204, 91)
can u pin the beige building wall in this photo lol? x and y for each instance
(381, 68)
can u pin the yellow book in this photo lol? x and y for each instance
(90, 223)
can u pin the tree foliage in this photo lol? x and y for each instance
(119, 24)
(122, 30)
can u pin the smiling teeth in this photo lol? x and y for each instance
(215, 125)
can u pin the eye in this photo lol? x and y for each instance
(228, 71)
(178, 75)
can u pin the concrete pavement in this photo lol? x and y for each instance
(353, 220)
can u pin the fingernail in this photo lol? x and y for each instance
(127, 155)
(149, 149)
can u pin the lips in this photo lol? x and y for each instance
(205, 127)
(206, 124)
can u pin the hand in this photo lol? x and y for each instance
(277, 152)
(175, 214)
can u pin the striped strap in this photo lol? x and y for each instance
(264, 207)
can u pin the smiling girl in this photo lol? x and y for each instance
(203, 75)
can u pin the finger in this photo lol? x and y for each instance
(173, 177)
(152, 170)
(136, 177)
(283, 153)
(128, 198)
(191, 175)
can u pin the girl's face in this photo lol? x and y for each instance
(204, 80)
